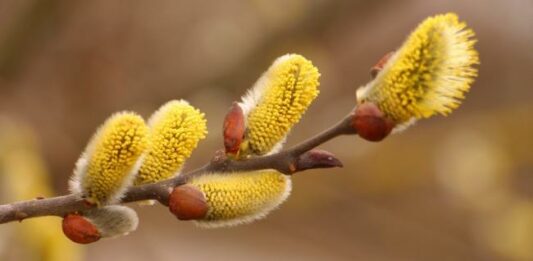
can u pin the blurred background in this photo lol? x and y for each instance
(455, 188)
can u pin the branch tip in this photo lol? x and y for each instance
(317, 159)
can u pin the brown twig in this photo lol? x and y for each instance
(297, 158)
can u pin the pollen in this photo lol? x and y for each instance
(108, 165)
(237, 198)
(429, 74)
(277, 102)
(175, 130)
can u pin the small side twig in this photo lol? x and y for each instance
(290, 161)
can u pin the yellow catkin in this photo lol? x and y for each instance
(238, 198)
(111, 159)
(277, 102)
(429, 74)
(175, 130)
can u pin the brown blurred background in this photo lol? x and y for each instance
(455, 188)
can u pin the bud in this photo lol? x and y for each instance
(238, 198)
(107, 167)
(187, 202)
(370, 123)
(175, 130)
(79, 229)
(276, 102)
(428, 75)
(380, 64)
(315, 159)
(233, 129)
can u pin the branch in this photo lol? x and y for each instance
(284, 161)
(300, 157)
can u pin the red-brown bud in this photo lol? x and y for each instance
(315, 159)
(233, 129)
(380, 64)
(79, 229)
(187, 202)
(370, 122)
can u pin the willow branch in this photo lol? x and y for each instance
(300, 157)
(284, 161)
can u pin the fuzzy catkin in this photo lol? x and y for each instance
(111, 159)
(112, 221)
(175, 130)
(429, 74)
(241, 197)
(277, 102)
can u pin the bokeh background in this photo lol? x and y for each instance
(455, 188)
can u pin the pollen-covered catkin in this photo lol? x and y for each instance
(429, 74)
(277, 102)
(238, 198)
(111, 159)
(175, 130)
